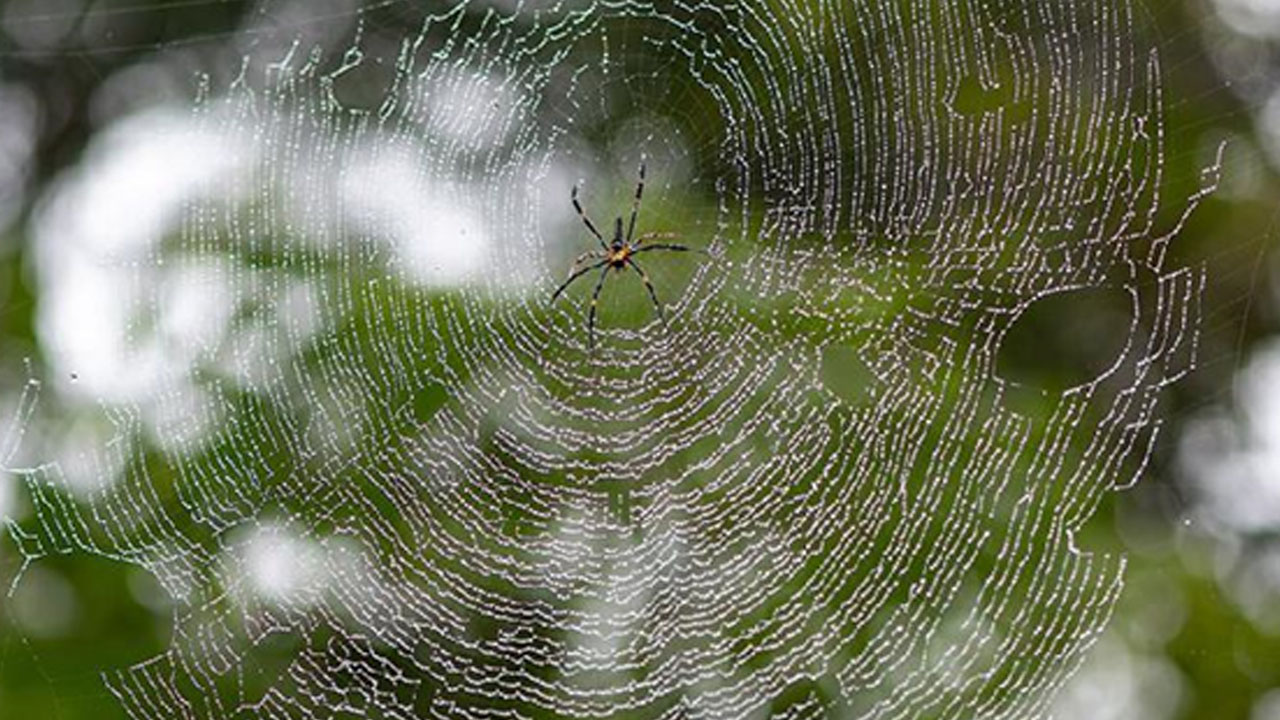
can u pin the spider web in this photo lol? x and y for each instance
(381, 475)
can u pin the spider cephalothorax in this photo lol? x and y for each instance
(616, 255)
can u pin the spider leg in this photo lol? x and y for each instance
(652, 295)
(582, 214)
(585, 256)
(671, 246)
(591, 317)
(657, 235)
(577, 274)
(635, 205)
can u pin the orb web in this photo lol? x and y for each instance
(381, 474)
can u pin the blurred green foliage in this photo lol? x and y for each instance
(1225, 661)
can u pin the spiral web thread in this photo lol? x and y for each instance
(390, 479)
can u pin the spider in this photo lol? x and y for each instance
(617, 255)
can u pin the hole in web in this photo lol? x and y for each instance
(1068, 339)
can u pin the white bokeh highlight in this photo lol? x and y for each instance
(1233, 463)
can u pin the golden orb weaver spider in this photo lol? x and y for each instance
(617, 255)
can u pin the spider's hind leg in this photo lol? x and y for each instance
(653, 295)
(574, 276)
(591, 316)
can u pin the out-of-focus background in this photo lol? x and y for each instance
(96, 141)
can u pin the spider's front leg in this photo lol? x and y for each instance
(586, 220)
(635, 205)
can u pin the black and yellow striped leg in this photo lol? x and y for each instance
(591, 316)
(652, 294)
(656, 236)
(575, 276)
(586, 220)
(635, 204)
(670, 246)
(585, 256)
